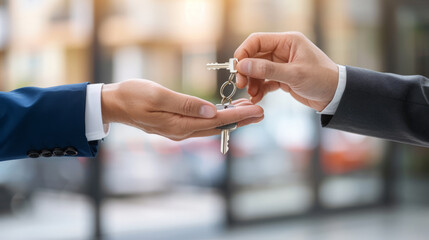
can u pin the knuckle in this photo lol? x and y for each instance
(266, 70)
(154, 97)
(254, 35)
(236, 52)
(157, 95)
(298, 35)
(187, 106)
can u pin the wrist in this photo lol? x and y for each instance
(110, 106)
(340, 85)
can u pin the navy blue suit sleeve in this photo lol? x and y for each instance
(384, 105)
(34, 119)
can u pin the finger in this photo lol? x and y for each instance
(265, 69)
(271, 86)
(246, 103)
(241, 81)
(223, 117)
(211, 132)
(241, 101)
(257, 98)
(261, 43)
(249, 121)
(254, 86)
(268, 86)
(285, 87)
(186, 105)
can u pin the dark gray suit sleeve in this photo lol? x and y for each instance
(383, 105)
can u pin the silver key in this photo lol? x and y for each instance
(224, 141)
(226, 129)
(231, 65)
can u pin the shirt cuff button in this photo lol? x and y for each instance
(58, 152)
(33, 154)
(71, 151)
(46, 153)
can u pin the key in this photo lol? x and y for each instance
(224, 141)
(226, 129)
(231, 65)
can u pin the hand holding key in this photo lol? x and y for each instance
(287, 61)
(155, 109)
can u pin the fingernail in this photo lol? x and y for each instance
(246, 67)
(207, 111)
(252, 99)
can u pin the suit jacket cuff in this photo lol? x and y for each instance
(384, 105)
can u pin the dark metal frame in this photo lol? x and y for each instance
(95, 166)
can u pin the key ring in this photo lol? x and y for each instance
(224, 85)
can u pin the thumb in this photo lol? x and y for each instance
(264, 69)
(188, 105)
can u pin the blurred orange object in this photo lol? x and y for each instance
(345, 152)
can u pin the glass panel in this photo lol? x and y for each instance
(350, 162)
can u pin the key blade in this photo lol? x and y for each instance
(231, 65)
(224, 141)
(217, 66)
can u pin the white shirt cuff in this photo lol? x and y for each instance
(333, 105)
(94, 127)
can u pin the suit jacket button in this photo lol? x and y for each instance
(71, 151)
(58, 152)
(46, 153)
(33, 154)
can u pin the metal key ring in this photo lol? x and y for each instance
(224, 85)
(226, 99)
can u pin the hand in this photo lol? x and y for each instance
(289, 61)
(155, 109)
